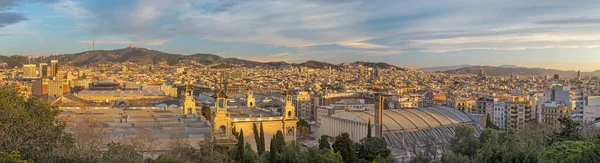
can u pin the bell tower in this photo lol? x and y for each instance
(222, 121)
(289, 117)
(250, 98)
(288, 110)
(189, 105)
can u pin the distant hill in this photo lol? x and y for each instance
(507, 71)
(148, 56)
(442, 68)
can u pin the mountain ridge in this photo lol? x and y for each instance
(149, 56)
(517, 70)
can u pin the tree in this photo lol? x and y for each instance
(463, 141)
(14, 157)
(279, 141)
(490, 124)
(257, 138)
(249, 155)
(370, 148)
(239, 151)
(570, 152)
(569, 130)
(31, 127)
(369, 129)
(492, 146)
(262, 140)
(277, 147)
(303, 128)
(451, 157)
(206, 112)
(324, 156)
(419, 159)
(345, 146)
(324, 142)
(234, 132)
(118, 152)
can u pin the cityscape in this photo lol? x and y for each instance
(138, 100)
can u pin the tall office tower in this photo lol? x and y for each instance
(578, 74)
(518, 112)
(53, 68)
(29, 71)
(43, 70)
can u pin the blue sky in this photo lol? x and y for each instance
(534, 33)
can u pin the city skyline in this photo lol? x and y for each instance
(406, 34)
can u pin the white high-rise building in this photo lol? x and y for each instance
(499, 117)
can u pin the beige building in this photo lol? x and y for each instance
(304, 106)
(552, 111)
(243, 119)
(518, 112)
(55, 88)
(465, 105)
(30, 71)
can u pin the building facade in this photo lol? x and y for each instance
(518, 112)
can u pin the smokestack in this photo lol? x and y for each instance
(380, 103)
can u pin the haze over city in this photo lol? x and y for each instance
(411, 34)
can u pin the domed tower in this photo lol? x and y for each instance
(250, 102)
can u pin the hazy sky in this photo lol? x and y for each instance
(535, 33)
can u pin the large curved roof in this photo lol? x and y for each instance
(411, 119)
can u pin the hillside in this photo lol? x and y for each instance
(148, 56)
(442, 68)
(507, 71)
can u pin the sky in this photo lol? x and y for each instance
(554, 34)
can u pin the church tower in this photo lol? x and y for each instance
(289, 117)
(189, 105)
(250, 98)
(222, 121)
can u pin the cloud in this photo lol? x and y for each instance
(572, 21)
(284, 54)
(7, 18)
(361, 45)
(347, 29)
(119, 41)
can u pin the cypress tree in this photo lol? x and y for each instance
(262, 139)
(256, 138)
(324, 143)
(240, 147)
(369, 129)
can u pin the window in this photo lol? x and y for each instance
(222, 130)
(290, 131)
(289, 113)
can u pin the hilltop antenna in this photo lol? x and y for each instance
(93, 44)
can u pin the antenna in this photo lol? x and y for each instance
(93, 44)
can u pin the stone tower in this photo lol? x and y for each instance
(289, 118)
(222, 121)
(250, 98)
(189, 105)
